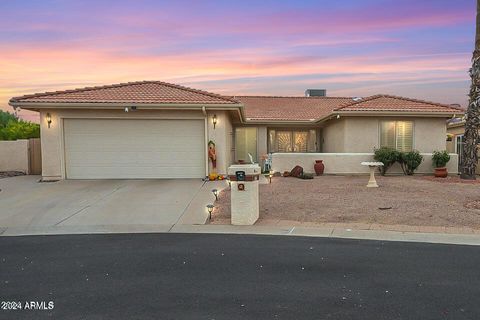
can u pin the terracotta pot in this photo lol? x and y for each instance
(319, 167)
(241, 161)
(441, 172)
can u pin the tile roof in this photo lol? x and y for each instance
(274, 108)
(397, 104)
(259, 108)
(151, 92)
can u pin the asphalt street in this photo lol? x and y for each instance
(205, 276)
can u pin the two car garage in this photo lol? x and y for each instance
(134, 148)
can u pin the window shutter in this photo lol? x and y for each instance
(387, 134)
(404, 136)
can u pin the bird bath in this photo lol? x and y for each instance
(372, 183)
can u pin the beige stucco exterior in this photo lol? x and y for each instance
(347, 134)
(53, 150)
(362, 134)
(14, 156)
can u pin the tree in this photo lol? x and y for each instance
(12, 128)
(472, 124)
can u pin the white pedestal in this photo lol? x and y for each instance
(372, 183)
(244, 201)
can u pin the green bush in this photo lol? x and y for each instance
(5, 117)
(12, 128)
(388, 156)
(440, 158)
(410, 161)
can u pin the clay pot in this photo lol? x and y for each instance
(441, 172)
(241, 161)
(319, 167)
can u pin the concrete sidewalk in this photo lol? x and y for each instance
(463, 239)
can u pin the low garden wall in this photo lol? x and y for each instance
(348, 163)
(14, 156)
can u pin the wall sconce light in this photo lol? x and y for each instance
(270, 175)
(215, 193)
(338, 116)
(210, 210)
(214, 120)
(49, 119)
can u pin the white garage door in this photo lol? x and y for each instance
(129, 149)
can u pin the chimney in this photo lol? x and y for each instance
(316, 93)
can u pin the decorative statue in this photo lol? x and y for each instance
(212, 155)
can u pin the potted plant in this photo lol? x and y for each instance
(440, 160)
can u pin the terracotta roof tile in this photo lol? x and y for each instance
(398, 104)
(151, 92)
(289, 108)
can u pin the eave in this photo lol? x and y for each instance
(37, 106)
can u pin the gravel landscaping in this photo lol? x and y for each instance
(413, 201)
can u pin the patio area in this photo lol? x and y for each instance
(404, 201)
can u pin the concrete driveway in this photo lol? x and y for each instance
(24, 202)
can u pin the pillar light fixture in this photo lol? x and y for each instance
(210, 210)
(48, 117)
(214, 120)
(215, 193)
(270, 175)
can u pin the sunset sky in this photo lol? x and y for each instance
(420, 49)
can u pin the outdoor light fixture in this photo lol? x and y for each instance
(126, 109)
(214, 120)
(229, 182)
(270, 175)
(49, 119)
(210, 210)
(338, 116)
(215, 193)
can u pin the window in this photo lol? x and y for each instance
(245, 143)
(283, 140)
(397, 135)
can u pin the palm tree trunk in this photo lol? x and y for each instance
(472, 124)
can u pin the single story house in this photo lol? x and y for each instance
(455, 141)
(153, 129)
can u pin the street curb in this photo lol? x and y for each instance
(295, 231)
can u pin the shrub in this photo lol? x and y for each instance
(12, 128)
(410, 161)
(440, 158)
(388, 156)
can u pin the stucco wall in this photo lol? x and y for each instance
(362, 134)
(14, 156)
(348, 163)
(333, 136)
(222, 136)
(262, 141)
(52, 138)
